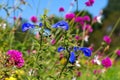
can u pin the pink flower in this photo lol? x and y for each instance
(78, 19)
(16, 58)
(69, 16)
(77, 37)
(88, 27)
(107, 62)
(61, 9)
(89, 3)
(107, 39)
(53, 41)
(34, 19)
(118, 52)
(86, 18)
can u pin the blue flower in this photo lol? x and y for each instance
(61, 49)
(87, 52)
(27, 26)
(72, 57)
(40, 24)
(75, 48)
(61, 24)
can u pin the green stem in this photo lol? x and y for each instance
(114, 27)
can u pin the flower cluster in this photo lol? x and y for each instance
(15, 57)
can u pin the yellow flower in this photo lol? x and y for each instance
(11, 78)
(19, 72)
(63, 60)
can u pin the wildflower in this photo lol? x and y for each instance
(86, 18)
(86, 38)
(96, 60)
(53, 41)
(118, 52)
(107, 62)
(40, 24)
(77, 37)
(61, 9)
(34, 19)
(69, 16)
(27, 26)
(75, 48)
(16, 58)
(98, 19)
(72, 57)
(88, 28)
(61, 49)
(11, 78)
(87, 52)
(61, 55)
(61, 24)
(107, 39)
(89, 2)
(63, 60)
(77, 64)
(78, 74)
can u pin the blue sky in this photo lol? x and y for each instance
(52, 6)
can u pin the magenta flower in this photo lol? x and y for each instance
(16, 58)
(86, 18)
(89, 2)
(69, 16)
(88, 27)
(61, 9)
(34, 19)
(53, 41)
(107, 39)
(78, 19)
(118, 52)
(107, 62)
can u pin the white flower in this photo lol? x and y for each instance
(99, 19)
(96, 60)
(86, 38)
(74, 78)
(77, 64)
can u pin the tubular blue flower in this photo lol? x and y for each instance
(27, 26)
(87, 52)
(72, 57)
(40, 24)
(61, 24)
(61, 49)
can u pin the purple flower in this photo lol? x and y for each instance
(78, 19)
(107, 39)
(27, 26)
(89, 3)
(16, 58)
(61, 24)
(72, 57)
(69, 16)
(34, 19)
(118, 52)
(107, 62)
(87, 52)
(61, 9)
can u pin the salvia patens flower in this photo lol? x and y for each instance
(89, 2)
(118, 52)
(75, 49)
(34, 19)
(106, 62)
(61, 9)
(26, 26)
(72, 58)
(16, 58)
(107, 39)
(69, 16)
(61, 24)
(87, 52)
(60, 49)
(40, 24)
